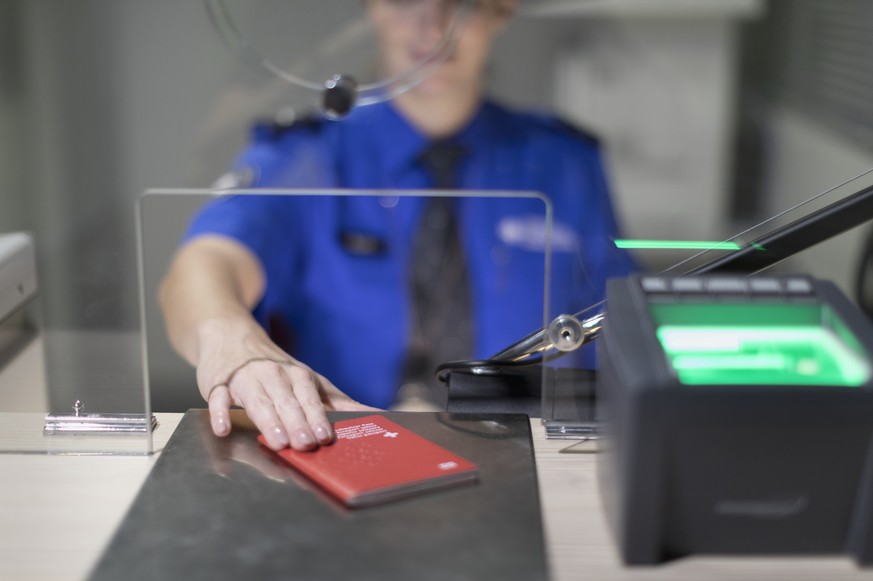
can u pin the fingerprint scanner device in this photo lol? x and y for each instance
(737, 414)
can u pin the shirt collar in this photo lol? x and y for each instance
(400, 143)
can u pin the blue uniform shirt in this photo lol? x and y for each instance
(337, 267)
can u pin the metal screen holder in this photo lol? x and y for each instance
(560, 430)
(91, 424)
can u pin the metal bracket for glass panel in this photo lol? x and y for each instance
(560, 430)
(82, 423)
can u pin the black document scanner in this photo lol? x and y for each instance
(738, 416)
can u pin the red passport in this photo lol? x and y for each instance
(374, 460)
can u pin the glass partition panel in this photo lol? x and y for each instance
(580, 267)
(71, 375)
(358, 285)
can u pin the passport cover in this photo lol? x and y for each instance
(375, 460)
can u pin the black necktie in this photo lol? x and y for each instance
(441, 328)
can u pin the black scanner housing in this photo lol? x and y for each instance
(729, 469)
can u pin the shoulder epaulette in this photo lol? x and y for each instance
(577, 130)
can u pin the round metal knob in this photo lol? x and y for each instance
(340, 96)
(566, 333)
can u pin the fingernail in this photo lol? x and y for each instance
(305, 439)
(219, 426)
(281, 436)
(322, 434)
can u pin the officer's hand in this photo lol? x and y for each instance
(239, 365)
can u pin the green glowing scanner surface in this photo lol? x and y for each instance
(748, 344)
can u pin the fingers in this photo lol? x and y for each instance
(296, 398)
(307, 392)
(284, 402)
(347, 404)
(260, 409)
(339, 401)
(219, 410)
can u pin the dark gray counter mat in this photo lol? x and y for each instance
(217, 509)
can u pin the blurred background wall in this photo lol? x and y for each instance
(713, 114)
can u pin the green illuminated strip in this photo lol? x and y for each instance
(675, 245)
(763, 355)
(742, 362)
(733, 339)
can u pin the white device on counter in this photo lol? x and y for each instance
(18, 282)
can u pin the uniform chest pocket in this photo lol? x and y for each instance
(362, 244)
(366, 262)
